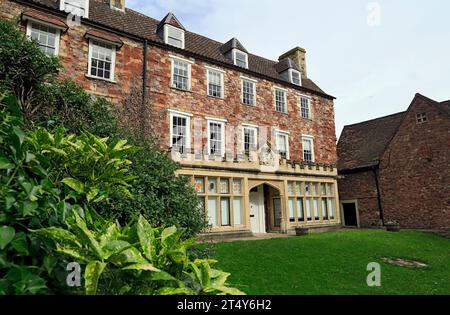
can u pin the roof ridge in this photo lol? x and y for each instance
(374, 119)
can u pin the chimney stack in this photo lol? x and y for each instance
(297, 55)
(117, 4)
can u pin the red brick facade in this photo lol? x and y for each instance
(73, 53)
(414, 171)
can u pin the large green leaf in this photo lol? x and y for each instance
(80, 254)
(74, 184)
(5, 164)
(175, 291)
(28, 207)
(6, 236)
(89, 236)
(128, 256)
(20, 244)
(61, 236)
(92, 274)
(167, 233)
(146, 238)
(146, 267)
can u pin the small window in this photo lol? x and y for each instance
(308, 149)
(295, 77)
(305, 107)
(216, 138)
(215, 83)
(282, 141)
(180, 132)
(248, 92)
(240, 58)
(421, 118)
(280, 101)
(46, 36)
(181, 74)
(101, 60)
(174, 36)
(250, 140)
(75, 7)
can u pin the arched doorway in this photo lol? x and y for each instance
(265, 209)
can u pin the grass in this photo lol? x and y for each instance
(335, 263)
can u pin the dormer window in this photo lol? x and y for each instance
(171, 31)
(240, 58)
(295, 77)
(75, 7)
(174, 36)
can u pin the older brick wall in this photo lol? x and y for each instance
(125, 93)
(362, 187)
(415, 170)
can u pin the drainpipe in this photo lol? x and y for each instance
(377, 183)
(144, 86)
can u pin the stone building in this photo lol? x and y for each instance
(255, 136)
(397, 168)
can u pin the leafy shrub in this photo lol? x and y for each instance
(44, 178)
(137, 259)
(24, 68)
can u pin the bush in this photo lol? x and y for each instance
(24, 68)
(44, 178)
(137, 259)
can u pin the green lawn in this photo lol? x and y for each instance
(335, 263)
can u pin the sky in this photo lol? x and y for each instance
(373, 56)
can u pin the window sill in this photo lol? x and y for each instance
(309, 119)
(216, 97)
(286, 113)
(98, 78)
(249, 105)
(181, 90)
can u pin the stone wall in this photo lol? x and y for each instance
(362, 187)
(415, 170)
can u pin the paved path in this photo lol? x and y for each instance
(255, 237)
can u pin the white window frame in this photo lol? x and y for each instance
(286, 134)
(62, 4)
(285, 99)
(310, 138)
(189, 62)
(221, 122)
(58, 32)
(222, 78)
(233, 52)
(115, 8)
(113, 61)
(250, 127)
(254, 90)
(309, 106)
(421, 118)
(166, 35)
(187, 116)
(291, 77)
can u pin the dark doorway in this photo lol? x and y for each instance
(350, 217)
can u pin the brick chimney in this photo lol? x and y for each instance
(297, 55)
(117, 4)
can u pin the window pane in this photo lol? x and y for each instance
(237, 186)
(215, 138)
(324, 209)
(280, 101)
(308, 209)
(248, 92)
(199, 184)
(212, 185)
(179, 133)
(224, 186)
(101, 60)
(316, 208)
(212, 211)
(249, 140)
(300, 214)
(45, 36)
(291, 188)
(237, 208)
(291, 210)
(225, 210)
(331, 207)
(295, 77)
